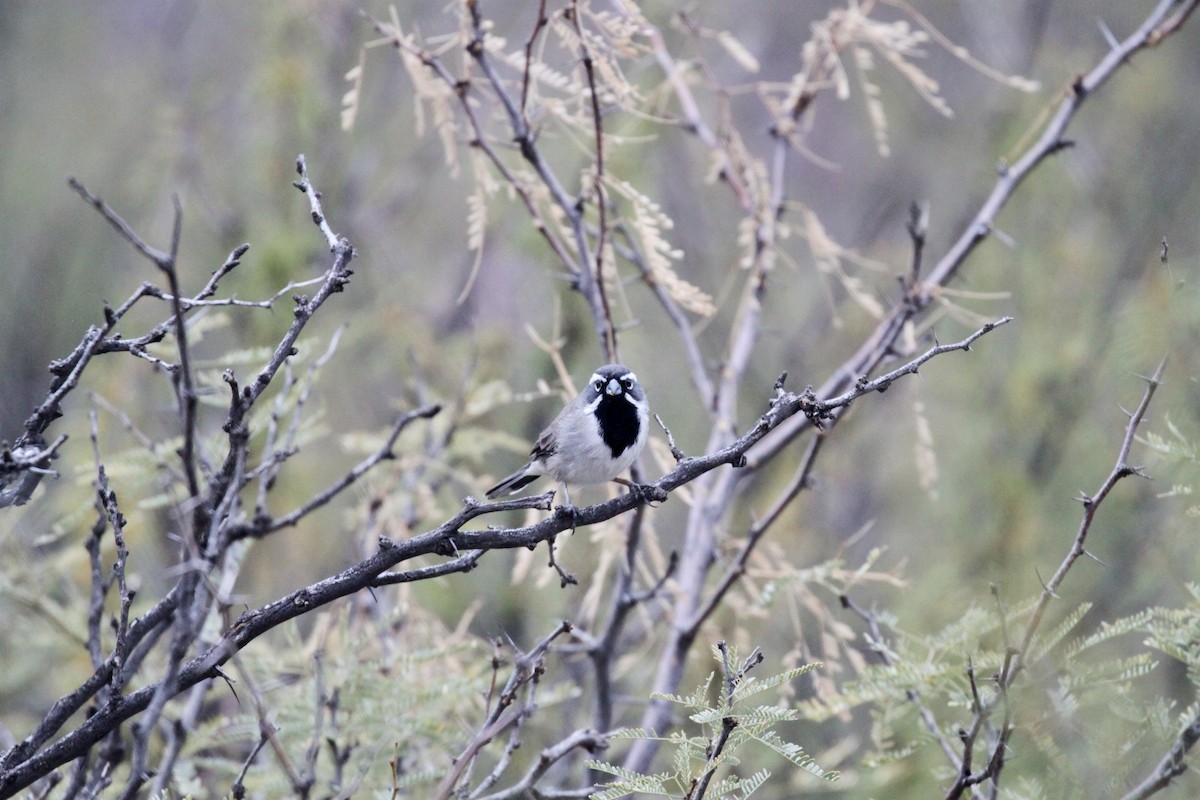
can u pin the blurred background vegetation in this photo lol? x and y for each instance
(213, 101)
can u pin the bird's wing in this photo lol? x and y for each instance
(546, 445)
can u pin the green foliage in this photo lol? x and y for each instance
(721, 735)
(1089, 685)
(372, 700)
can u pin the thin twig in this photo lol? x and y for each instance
(876, 642)
(609, 340)
(584, 738)
(527, 669)
(261, 526)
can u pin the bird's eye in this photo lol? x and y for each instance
(597, 384)
(628, 382)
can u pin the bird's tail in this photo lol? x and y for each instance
(514, 483)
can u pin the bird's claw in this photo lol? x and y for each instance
(647, 492)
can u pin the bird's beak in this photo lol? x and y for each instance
(613, 388)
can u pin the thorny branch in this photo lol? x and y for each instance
(26, 764)
(1015, 659)
(214, 511)
(715, 496)
(733, 675)
(1171, 766)
(527, 671)
(23, 465)
(1157, 25)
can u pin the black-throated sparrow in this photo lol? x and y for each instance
(595, 438)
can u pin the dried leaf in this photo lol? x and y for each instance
(476, 226)
(865, 63)
(648, 224)
(738, 51)
(352, 96)
(428, 90)
(828, 255)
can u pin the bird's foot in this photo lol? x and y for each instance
(646, 492)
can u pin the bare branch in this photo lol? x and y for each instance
(738, 567)
(23, 467)
(261, 526)
(158, 257)
(1171, 766)
(1091, 505)
(1016, 658)
(584, 738)
(609, 340)
(527, 670)
(880, 343)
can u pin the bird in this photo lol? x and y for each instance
(595, 437)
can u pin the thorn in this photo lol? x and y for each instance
(1060, 145)
(1005, 239)
(1093, 557)
(918, 220)
(1154, 380)
(1108, 35)
(1045, 588)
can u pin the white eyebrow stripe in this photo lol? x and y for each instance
(596, 377)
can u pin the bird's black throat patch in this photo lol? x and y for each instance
(619, 424)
